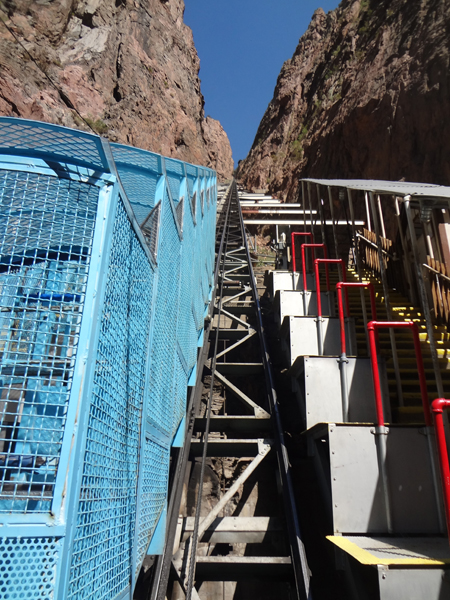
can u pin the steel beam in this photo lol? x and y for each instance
(236, 424)
(232, 530)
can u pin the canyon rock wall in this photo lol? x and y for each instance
(365, 95)
(129, 67)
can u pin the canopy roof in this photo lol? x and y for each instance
(397, 188)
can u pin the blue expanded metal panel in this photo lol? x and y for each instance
(78, 273)
(20, 137)
(152, 495)
(103, 540)
(181, 378)
(187, 336)
(198, 305)
(139, 172)
(175, 174)
(164, 344)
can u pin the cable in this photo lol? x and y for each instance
(62, 95)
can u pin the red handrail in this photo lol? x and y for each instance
(371, 328)
(293, 234)
(325, 254)
(345, 285)
(316, 269)
(438, 406)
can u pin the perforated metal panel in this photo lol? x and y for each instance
(28, 567)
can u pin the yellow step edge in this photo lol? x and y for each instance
(367, 558)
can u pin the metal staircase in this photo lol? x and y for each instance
(366, 407)
(237, 535)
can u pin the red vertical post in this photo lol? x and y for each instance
(375, 373)
(344, 285)
(341, 317)
(438, 407)
(372, 327)
(312, 246)
(293, 234)
(327, 261)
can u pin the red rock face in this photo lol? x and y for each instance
(366, 95)
(130, 68)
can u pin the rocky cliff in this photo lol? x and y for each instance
(366, 95)
(129, 67)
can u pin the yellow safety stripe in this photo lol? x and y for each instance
(366, 558)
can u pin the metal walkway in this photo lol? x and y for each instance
(240, 535)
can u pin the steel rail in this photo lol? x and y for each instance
(436, 272)
(438, 406)
(163, 563)
(298, 555)
(193, 542)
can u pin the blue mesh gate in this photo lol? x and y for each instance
(106, 259)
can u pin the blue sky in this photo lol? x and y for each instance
(242, 45)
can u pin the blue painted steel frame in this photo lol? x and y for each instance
(32, 147)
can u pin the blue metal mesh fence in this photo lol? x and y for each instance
(46, 229)
(69, 250)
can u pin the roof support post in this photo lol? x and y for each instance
(406, 262)
(322, 218)
(304, 205)
(366, 200)
(310, 211)
(386, 299)
(424, 299)
(330, 197)
(358, 261)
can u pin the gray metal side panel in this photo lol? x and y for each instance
(286, 280)
(300, 335)
(414, 584)
(289, 303)
(321, 379)
(358, 505)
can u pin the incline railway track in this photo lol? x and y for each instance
(232, 529)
